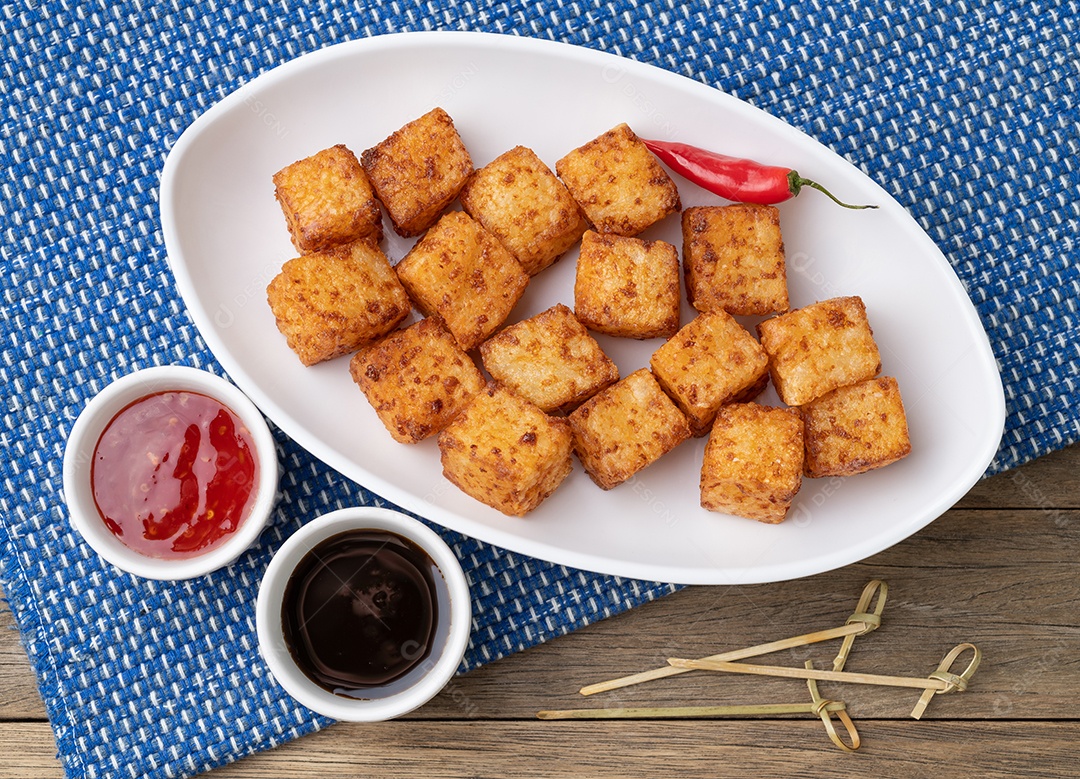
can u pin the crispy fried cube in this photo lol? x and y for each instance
(818, 348)
(625, 428)
(711, 361)
(416, 379)
(333, 302)
(550, 360)
(418, 171)
(627, 287)
(460, 272)
(618, 183)
(753, 462)
(856, 428)
(751, 392)
(327, 200)
(505, 452)
(734, 259)
(517, 199)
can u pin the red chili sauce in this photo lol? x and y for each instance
(174, 474)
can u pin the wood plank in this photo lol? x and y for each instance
(28, 751)
(19, 697)
(1049, 483)
(625, 749)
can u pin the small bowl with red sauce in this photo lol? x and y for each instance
(363, 614)
(170, 473)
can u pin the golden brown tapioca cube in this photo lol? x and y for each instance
(734, 259)
(627, 287)
(625, 428)
(416, 379)
(505, 452)
(549, 359)
(753, 462)
(327, 200)
(750, 393)
(818, 348)
(519, 200)
(459, 271)
(618, 183)
(711, 361)
(418, 171)
(334, 302)
(856, 428)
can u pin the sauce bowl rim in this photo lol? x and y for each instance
(87, 430)
(448, 655)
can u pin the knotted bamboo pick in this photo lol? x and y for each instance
(942, 680)
(821, 708)
(818, 706)
(862, 621)
(953, 682)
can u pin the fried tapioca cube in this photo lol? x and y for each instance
(626, 428)
(459, 271)
(519, 200)
(627, 287)
(418, 171)
(333, 302)
(505, 452)
(416, 379)
(618, 183)
(855, 429)
(327, 200)
(752, 392)
(711, 361)
(818, 348)
(549, 359)
(753, 462)
(734, 259)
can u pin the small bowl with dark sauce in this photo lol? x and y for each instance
(364, 614)
(170, 473)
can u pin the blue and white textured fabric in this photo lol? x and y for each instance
(965, 111)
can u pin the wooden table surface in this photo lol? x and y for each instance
(1000, 570)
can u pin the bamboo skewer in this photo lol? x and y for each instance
(817, 705)
(869, 620)
(689, 712)
(861, 622)
(735, 654)
(956, 682)
(942, 680)
(801, 673)
(821, 708)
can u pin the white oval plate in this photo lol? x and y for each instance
(226, 239)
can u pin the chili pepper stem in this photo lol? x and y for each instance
(797, 182)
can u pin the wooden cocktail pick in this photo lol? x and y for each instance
(864, 619)
(942, 680)
(821, 708)
(953, 682)
(859, 623)
(817, 706)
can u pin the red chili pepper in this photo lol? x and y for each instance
(733, 178)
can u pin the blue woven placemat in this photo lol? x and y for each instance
(965, 112)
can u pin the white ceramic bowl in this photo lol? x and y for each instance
(84, 437)
(419, 685)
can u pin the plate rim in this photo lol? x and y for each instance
(493, 535)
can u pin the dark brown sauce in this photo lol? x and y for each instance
(361, 610)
